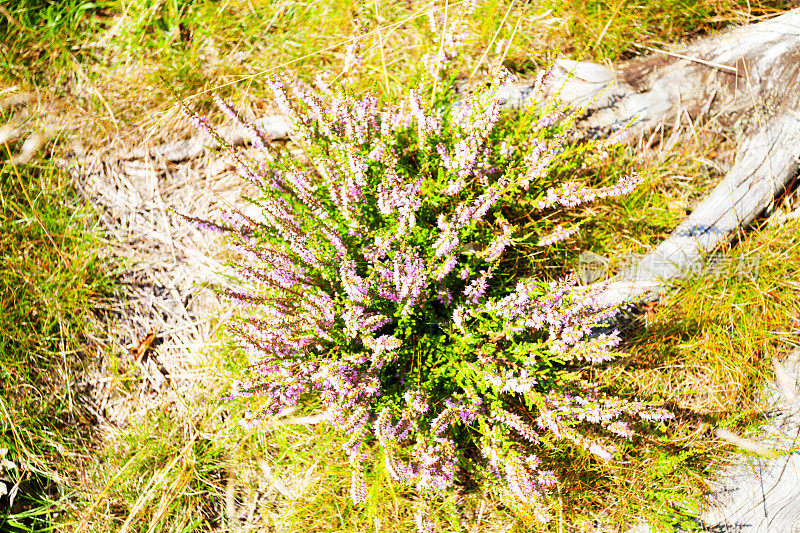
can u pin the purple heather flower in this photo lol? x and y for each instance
(446, 267)
(445, 244)
(496, 247)
(325, 285)
(417, 400)
(444, 296)
(516, 423)
(572, 194)
(200, 123)
(257, 137)
(358, 487)
(548, 120)
(656, 415)
(561, 233)
(476, 288)
(455, 186)
(600, 452)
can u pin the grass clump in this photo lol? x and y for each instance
(43, 38)
(51, 275)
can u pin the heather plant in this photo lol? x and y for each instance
(380, 272)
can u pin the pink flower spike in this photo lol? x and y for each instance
(600, 452)
(561, 233)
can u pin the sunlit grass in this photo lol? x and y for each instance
(705, 350)
(50, 278)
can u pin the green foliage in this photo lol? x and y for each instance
(39, 39)
(50, 277)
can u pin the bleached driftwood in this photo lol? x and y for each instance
(762, 494)
(746, 79)
(765, 163)
(749, 68)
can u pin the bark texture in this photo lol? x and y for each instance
(746, 79)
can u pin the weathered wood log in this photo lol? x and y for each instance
(746, 78)
(765, 162)
(763, 494)
(730, 75)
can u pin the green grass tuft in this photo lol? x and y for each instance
(50, 278)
